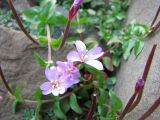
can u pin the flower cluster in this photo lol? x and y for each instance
(66, 74)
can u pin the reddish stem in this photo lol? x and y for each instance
(93, 105)
(4, 81)
(150, 110)
(107, 51)
(155, 17)
(10, 3)
(65, 35)
(145, 74)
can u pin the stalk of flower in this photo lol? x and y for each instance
(139, 85)
(49, 42)
(86, 56)
(72, 12)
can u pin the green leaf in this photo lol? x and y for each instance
(65, 105)
(38, 94)
(127, 52)
(14, 105)
(74, 104)
(138, 47)
(55, 43)
(17, 94)
(111, 82)
(108, 63)
(115, 60)
(116, 103)
(38, 109)
(58, 111)
(40, 60)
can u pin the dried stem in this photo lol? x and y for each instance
(145, 74)
(79, 27)
(49, 42)
(10, 3)
(5, 82)
(65, 35)
(156, 16)
(150, 110)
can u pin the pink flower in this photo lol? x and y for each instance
(1, 98)
(74, 8)
(60, 79)
(87, 56)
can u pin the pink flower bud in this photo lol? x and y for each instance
(74, 8)
(139, 84)
(1, 98)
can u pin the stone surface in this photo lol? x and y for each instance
(21, 5)
(19, 66)
(143, 11)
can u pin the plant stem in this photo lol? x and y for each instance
(79, 27)
(145, 74)
(10, 3)
(5, 82)
(93, 104)
(150, 110)
(156, 16)
(107, 51)
(50, 100)
(131, 100)
(49, 42)
(65, 35)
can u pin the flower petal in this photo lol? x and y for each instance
(95, 63)
(94, 53)
(51, 73)
(45, 86)
(73, 56)
(46, 92)
(81, 47)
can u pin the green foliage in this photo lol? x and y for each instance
(58, 111)
(40, 16)
(28, 114)
(18, 99)
(40, 60)
(115, 102)
(74, 104)
(108, 63)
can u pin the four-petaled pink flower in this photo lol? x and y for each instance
(74, 8)
(57, 83)
(86, 56)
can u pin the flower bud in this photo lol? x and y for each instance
(74, 8)
(139, 84)
(1, 98)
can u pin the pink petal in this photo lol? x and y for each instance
(51, 73)
(45, 86)
(94, 53)
(95, 63)
(81, 47)
(73, 56)
(46, 92)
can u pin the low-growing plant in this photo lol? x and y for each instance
(81, 87)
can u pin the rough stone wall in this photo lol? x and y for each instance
(143, 11)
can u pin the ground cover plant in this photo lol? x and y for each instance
(81, 86)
